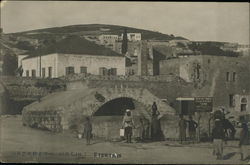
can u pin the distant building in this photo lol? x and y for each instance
(108, 39)
(133, 36)
(133, 48)
(154, 50)
(69, 56)
(229, 47)
(244, 50)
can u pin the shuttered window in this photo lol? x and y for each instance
(70, 70)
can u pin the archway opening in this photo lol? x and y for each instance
(108, 119)
(118, 106)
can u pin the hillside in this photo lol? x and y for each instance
(26, 42)
(96, 29)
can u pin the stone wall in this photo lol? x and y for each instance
(211, 81)
(21, 91)
(45, 120)
(33, 63)
(77, 61)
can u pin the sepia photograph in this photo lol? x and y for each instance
(124, 82)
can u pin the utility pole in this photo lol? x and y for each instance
(40, 66)
(40, 63)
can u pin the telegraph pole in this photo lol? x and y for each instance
(40, 66)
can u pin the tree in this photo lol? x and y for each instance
(9, 64)
(125, 42)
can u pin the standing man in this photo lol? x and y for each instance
(155, 112)
(156, 132)
(218, 135)
(182, 128)
(244, 143)
(192, 125)
(128, 124)
(88, 130)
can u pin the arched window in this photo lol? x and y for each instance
(243, 101)
(243, 106)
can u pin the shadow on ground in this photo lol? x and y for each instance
(229, 155)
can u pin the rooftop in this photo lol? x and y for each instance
(74, 45)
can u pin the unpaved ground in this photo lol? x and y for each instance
(24, 144)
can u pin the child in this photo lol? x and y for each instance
(244, 141)
(88, 130)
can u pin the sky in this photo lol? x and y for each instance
(198, 21)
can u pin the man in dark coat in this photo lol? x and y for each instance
(192, 125)
(182, 129)
(244, 141)
(218, 135)
(156, 132)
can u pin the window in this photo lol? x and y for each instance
(198, 67)
(231, 100)
(27, 73)
(243, 106)
(33, 73)
(228, 76)
(112, 71)
(83, 69)
(70, 70)
(49, 72)
(43, 72)
(234, 76)
(103, 71)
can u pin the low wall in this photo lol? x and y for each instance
(46, 120)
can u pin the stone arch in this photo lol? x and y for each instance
(140, 95)
(118, 106)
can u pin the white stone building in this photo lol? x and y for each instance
(133, 36)
(107, 39)
(69, 56)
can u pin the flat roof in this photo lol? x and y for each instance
(185, 98)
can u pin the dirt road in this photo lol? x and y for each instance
(24, 144)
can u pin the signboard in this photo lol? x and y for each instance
(203, 104)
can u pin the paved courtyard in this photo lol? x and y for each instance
(24, 144)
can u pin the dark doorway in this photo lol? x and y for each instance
(116, 107)
(184, 107)
(156, 65)
(243, 107)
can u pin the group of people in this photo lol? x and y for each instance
(128, 124)
(219, 135)
(152, 130)
(191, 125)
(147, 129)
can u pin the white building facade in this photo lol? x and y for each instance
(56, 65)
(133, 36)
(106, 39)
